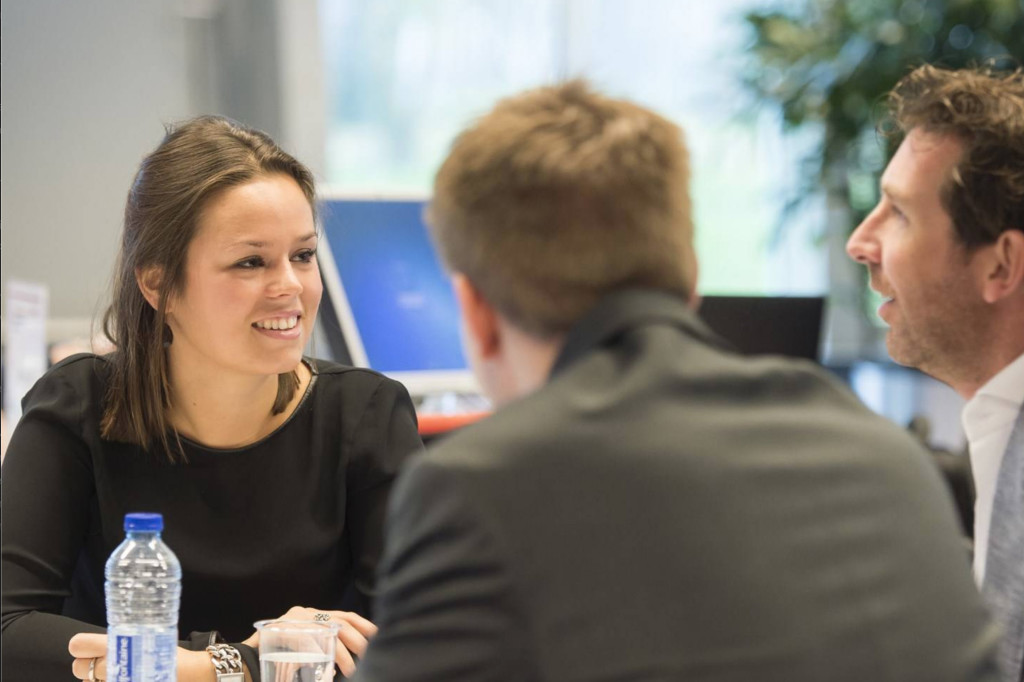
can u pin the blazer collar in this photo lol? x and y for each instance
(625, 310)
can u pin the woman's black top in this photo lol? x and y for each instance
(295, 519)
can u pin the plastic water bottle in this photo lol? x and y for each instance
(143, 593)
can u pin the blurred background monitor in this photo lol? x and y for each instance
(388, 304)
(759, 325)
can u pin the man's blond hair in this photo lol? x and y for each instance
(560, 196)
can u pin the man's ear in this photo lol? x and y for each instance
(1004, 266)
(149, 281)
(478, 315)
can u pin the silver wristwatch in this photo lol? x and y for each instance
(227, 663)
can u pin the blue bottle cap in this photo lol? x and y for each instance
(144, 522)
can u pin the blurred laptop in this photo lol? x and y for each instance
(767, 325)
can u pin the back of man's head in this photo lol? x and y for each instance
(560, 196)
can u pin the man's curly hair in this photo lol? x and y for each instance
(984, 108)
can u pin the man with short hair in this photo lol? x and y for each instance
(945, 246)
(646, 504)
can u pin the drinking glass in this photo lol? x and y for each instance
(297, 650)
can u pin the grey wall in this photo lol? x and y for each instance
(87, 86)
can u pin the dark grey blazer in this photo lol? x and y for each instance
(664, 509)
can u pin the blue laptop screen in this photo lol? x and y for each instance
(401, 300)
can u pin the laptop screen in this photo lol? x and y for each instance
(758, 325)
(393, 301)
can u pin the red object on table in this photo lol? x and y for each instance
(434, 424)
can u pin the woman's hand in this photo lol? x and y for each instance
(90, 652)
(354, 633)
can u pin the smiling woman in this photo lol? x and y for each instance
(272, 470)
(251, 291)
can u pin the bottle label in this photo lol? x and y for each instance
(124, 658)
(143, 656)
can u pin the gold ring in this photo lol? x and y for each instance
(92, 671)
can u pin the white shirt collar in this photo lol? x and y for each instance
(1009, 383)
(988, 420)
(996, 403)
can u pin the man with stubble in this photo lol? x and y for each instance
(945, 247)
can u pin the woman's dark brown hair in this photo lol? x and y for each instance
(196, 160)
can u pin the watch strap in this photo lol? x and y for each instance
(250, 658)
(227, 663)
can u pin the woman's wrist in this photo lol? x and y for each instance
(195, 666)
